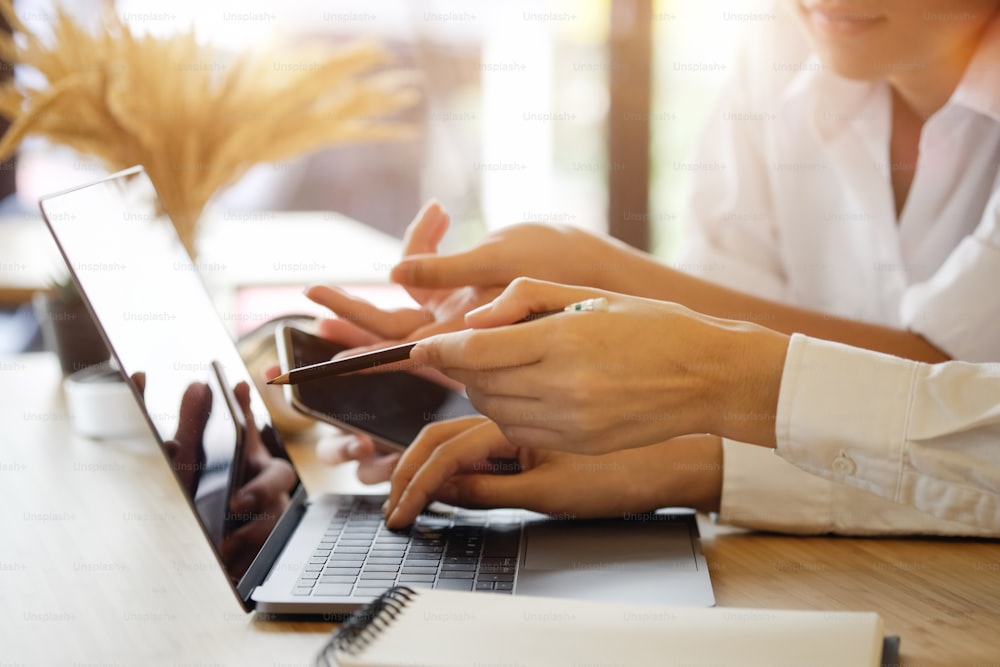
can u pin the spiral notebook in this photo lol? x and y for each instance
(429, 627)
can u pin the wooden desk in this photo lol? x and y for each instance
(101, 562)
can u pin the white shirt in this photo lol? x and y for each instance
(925, 435)
(792, 201)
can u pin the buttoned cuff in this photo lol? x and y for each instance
(761, 491)
(843, 416)
(764, 492)
(840, 424)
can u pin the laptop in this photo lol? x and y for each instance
(283, 551)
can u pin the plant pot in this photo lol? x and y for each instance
(69, 330)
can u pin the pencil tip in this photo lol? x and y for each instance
(281, 379)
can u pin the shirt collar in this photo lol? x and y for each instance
(979, 89)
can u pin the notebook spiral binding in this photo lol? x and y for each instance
(363, 626)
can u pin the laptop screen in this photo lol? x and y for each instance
(169, 340)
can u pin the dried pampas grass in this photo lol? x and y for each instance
(195, 121)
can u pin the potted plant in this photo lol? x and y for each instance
(195, 118)
(68, 329)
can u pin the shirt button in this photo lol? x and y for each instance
(843, 465)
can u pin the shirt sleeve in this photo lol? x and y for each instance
(762, 491)
(919, 435)
(950, 309)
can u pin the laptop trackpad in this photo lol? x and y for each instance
(607, 545)
(606, 560)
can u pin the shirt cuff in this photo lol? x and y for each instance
(762, 492)
(842, 416)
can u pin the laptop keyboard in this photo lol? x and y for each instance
(359, 556)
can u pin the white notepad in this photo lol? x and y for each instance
(448, 628)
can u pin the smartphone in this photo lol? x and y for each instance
(238, 464)
(391, 407)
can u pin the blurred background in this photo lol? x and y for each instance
(564, 111)
(517, 110)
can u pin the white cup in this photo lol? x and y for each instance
(101, 404)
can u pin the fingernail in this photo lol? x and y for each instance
(385, 506)
(479, 309)
(418, 355)
(391, 519)
(403, 272)
(353, 448)
(442, 217)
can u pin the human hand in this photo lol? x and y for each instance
(558, 253)
(362, 325)
(375, 465)
(643, 372)
(256, 506)
(253, 509)
(185, 450)
(467, 462)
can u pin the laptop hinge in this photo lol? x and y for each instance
(262, 564)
